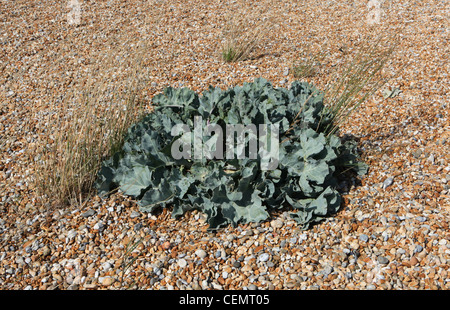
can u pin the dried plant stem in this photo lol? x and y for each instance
(242, 37)
(89, 125)
(360, 80)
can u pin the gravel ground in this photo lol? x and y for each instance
(392, 231)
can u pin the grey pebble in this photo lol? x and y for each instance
(327, 270)
(88, 213)
(231, 237)
(383, 260)
(388, 182)
(138, 227)
(263, 257)
(135, 214)
(99, 226)
(71, 234)
(364, 237)
(252, 287)
(421, 218)
(418, 249)
(83, 246)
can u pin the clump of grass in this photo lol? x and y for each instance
(128, 258)
(88, 125)
(358, 81)
(308, 66)
(242, 37)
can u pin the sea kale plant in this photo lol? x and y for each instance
(233, 190)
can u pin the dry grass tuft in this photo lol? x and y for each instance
(242, 41)
(309, 65)
(88, 125)
(358, 80)
(242, 36)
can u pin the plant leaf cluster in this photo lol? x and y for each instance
(233, 191)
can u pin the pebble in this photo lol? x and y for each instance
(182, 263)
(276, 224)
(106, 266)
(421, 218)
(327, 270)
(354, 245)
(166, 245)
(418, 249)
(106, 281)
(135, 214)
(200, 253)
(388, 182)
(413, 261)
(71, 234)
(98, 226)
(383, 260)
(264, 257)
(88, 213)
(45, 251)
(364, 237)
(249, 232)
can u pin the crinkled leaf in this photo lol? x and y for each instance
(137, 179)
